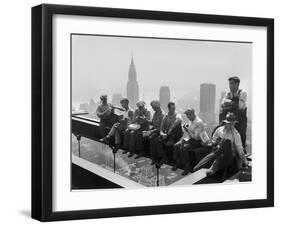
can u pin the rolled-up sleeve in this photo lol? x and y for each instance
(178, 119)
(216, 135)
(163, 125)
(225, 97)
(198, 130)
(243, 100)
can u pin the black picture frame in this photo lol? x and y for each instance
(42, 107)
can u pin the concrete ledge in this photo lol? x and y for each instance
(90, 122)
(191, 178)
(105, 173)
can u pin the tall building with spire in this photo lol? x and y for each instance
(132, 85)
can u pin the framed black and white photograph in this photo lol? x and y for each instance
(147, 112)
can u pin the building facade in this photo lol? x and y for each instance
(207, 103)
(164, 97)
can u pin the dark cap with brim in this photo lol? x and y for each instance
(230, 118)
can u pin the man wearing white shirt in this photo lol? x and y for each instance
(235, 101)
(191, 140)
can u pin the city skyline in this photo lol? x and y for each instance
(190, 73)
(100, 65)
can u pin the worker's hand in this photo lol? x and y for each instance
(208, 143)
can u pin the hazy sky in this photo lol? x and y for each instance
(100, 65)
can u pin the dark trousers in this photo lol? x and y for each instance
(154, 146)
(224, 157)
(126, 138)
(133, 141)
(184, 152)
(166, 145)
(221, 159)
(116, 131)
(177, 155)
(136, 142)
(103, 128)
(106, 124)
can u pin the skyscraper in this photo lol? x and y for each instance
(132, 85)
(164, 97)
(207, 102)
(222, 96)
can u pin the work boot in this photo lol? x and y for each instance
(116, 147)
(175, 167)
(138, 156)
(131, 155)
(210, 172)
(125, 151)
(163, 161)
(213, 169)
(105, 140)
(187, 170)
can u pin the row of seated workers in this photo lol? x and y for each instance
(166, 140)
